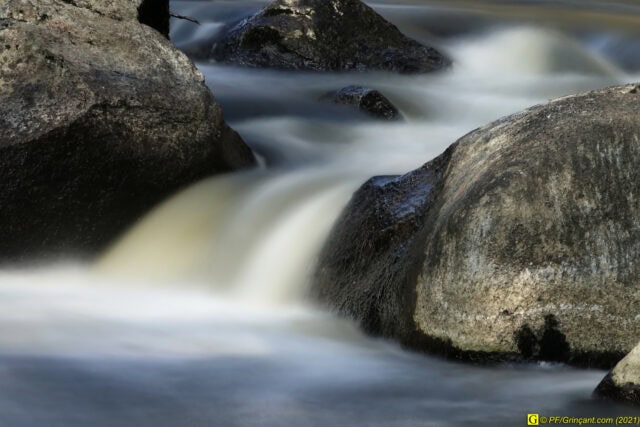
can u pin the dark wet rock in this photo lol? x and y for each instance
(623, 382)
(324, 35)
(101, 118)
(368, 101)
(522, 241)
(370, 251)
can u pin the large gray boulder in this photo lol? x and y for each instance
(324, 35)
(100, 117)
(623, 382)
(522, 241)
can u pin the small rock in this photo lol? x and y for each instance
(367, 100)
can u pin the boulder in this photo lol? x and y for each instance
(623, 382)
(101, 118)
(520, 242)
(324, 35)
(366, 100)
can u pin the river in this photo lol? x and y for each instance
(199, 315)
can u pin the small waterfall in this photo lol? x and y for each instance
(253, 235)
(280, 262)
(532, 51)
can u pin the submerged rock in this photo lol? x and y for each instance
(368, 101)
(101, 118)
(623, 382)
(324, 35)
(522, 241)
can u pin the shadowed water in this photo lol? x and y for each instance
(198, 316)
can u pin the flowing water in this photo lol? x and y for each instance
(199, 317)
